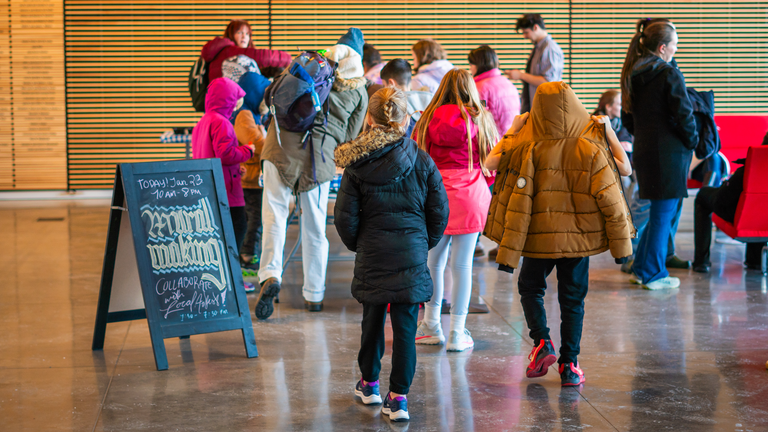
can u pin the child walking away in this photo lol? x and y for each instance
(557, 202)
(250, 133)
(214, 137)
(391, 209)
(458, 132)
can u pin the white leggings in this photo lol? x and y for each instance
(462, 248)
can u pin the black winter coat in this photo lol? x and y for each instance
(703, 104)
(662, 122)
(391, 209)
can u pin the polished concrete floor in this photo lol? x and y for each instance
(692, 359)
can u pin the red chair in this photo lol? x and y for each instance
(739, 132)
(751, 221)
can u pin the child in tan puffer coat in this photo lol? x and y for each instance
(557, 201)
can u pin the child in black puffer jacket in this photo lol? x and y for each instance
(391, 209)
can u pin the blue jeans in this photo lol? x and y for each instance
(640, 209)
(651, 257)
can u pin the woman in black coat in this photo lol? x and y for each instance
(657, 111)
(391, 209)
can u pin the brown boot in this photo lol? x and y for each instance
(493, 252)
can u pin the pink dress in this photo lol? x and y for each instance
(468, 194)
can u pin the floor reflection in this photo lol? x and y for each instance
(688, 360)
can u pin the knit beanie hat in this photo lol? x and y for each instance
(353, 39)
(350, 63)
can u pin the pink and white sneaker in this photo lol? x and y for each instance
(426, 335)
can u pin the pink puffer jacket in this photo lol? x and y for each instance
(214, 136)
(501, 98)
(468, 195)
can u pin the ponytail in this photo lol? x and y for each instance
(388, 109)
(649, 35)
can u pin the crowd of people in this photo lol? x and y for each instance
(434, 156)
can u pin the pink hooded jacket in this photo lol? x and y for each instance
(468, 195)
(501, 98)
(214, 136)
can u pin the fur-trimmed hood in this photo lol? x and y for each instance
(346, 84)
(377, 156)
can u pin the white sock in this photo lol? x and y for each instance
(457, 322)
(432, 315)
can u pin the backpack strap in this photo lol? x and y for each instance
(200, 69)
(274, 117)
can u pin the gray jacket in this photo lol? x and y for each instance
(303, 166)
(546, 60)
(417, 101)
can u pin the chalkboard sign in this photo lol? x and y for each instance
(181, 231)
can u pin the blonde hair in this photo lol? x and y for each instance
(427, 51)
(388, 108)
(458, 88)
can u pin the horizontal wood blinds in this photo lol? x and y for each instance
(6, 101)
(394, 26)
(723, 47)
(127, 61)
(127, 67)
(33, 134)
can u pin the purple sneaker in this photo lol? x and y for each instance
(369, 393)
(396, 409)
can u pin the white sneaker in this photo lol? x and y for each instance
(459, 341)
(663, 283)
(635, 279)
(426, 335)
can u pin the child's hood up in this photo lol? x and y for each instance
(557, 112)
(222, 96)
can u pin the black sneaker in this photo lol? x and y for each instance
(571, 375)
(313, 306)
(676, 263)
(541, 357)
(250, 262)
(701, 268)
(264, 302)
(369, 393)
(396, 409)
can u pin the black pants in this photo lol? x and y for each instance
(238, 224)
(252, 242)
(572, 284)
(703, 208)
(404, 323)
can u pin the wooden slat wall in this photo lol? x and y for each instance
(127, 67)
(33, 134)
(6, 109)
(723, 47)
(394, 26)
(127, 61)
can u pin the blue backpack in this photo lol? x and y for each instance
(300, 92)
